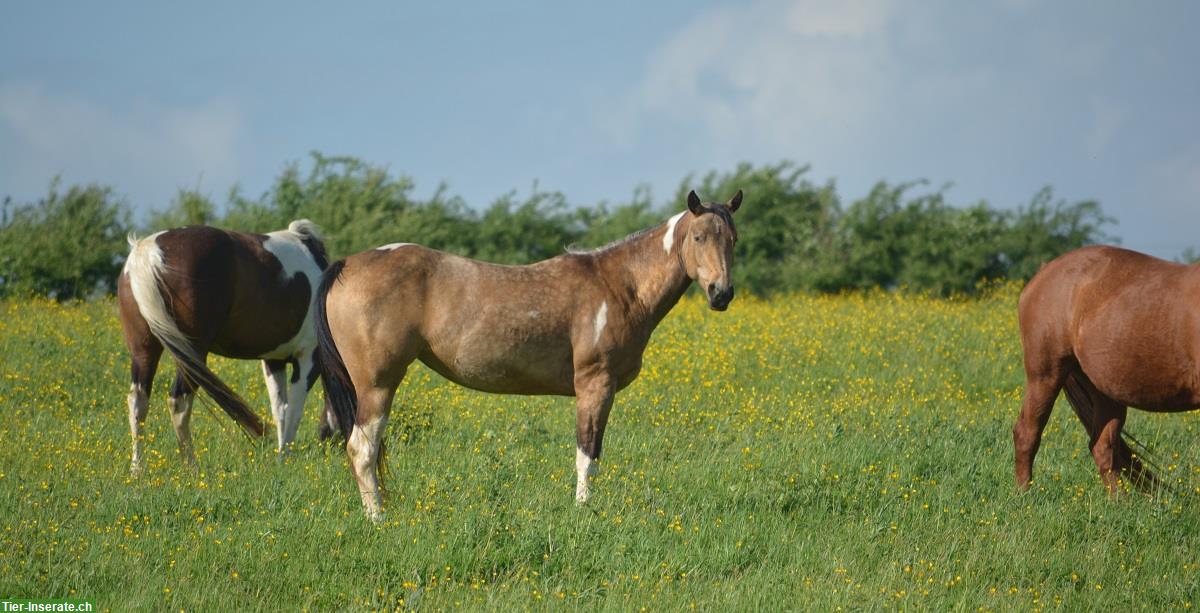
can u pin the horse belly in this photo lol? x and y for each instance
(1152, 371)
(493, 361)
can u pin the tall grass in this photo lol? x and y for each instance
(800, 453)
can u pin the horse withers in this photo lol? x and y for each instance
(573, 325)
(200, 290)
(1115, 329)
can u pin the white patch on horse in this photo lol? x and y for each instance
(294, 257)
(585, 467)
(669, 237)
(394, 246)
(601, 321)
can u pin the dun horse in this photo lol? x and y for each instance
(200, 290)
(1116, 329)
(573, 325)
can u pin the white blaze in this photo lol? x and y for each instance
(669, 237)
(601, 321)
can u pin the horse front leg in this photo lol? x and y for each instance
(275, 375)
(183, 393)
(303, 375)
(593, 402)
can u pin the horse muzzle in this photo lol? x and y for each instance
(719, 299)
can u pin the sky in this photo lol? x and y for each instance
(1098, 99)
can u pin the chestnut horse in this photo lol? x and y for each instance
(573, 325)
(199, 290)
(1115, 329)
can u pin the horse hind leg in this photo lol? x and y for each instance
(365, 446)
(183, 393)
(1041, 390)
(146, 351)
(1103, 418)
(138, 400)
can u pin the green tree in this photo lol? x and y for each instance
(1047, 228)
(65, 246)
(539, 227)
(189, 208)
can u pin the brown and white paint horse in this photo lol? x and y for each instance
(200, 290)
(1115, 329)
(573, 325)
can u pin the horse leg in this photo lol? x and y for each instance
(143, 366)
(1106, 443)
(327, 426)
(1040, 392)
(183, 392)
(1103, 418)
(366, 443)
(275, 374)
(303, 375)
(593, 402)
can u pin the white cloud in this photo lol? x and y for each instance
(852, 18)
(147, 148)
(780, 76)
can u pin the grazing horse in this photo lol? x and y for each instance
(200, 290)
(1116, 329)
(573, 325)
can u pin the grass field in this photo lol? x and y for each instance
(806, 453)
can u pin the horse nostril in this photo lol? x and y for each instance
(712, 288)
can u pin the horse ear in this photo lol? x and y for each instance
(694, 204)
(735, 201)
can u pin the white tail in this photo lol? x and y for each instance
(144, 267)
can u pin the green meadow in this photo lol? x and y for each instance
(798, 453)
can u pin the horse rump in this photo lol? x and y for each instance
(145, 267)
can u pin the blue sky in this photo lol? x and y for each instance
(1099, 99)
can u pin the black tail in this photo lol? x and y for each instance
(334, 376)
(199, 373)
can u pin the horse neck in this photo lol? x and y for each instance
(651, 278)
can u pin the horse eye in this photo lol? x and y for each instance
(697, 237)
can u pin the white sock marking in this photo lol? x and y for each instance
(669, 237)
(363, 449)
(585, 467)
(137, 406)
